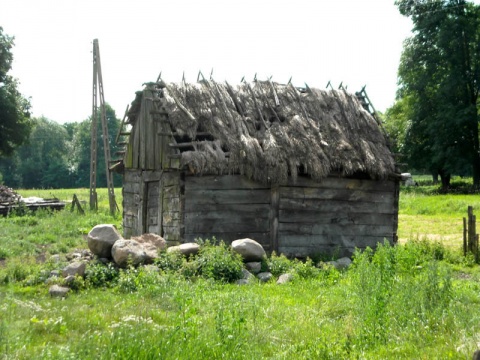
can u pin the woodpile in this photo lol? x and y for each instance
(8, 196)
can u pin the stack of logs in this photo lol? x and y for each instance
(470, 236)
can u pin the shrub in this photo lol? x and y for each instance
(279, 264)
(218, 262)
(306, 269)
(100, 275)
(169, 261)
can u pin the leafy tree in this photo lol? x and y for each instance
(81, 149)
(42, 162)
(15, 121)
(439, 75)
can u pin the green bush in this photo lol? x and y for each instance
(100, 275)
(306, 269)
(279, 264)
(170, 261)
(218, 262)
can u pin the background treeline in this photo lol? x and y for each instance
(58, 155)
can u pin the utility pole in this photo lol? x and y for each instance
(98, 92)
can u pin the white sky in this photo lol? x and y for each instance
(357, 42)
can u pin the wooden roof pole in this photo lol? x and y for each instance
(97, 79)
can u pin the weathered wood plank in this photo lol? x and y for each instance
(150, 131)
(288, 206)
(136, 144)
(210, 182)
(171, 217)
(261, 210)
(328, 217)
(254, 196)
(171, 204)
(228, 224)
(149, 176)
(132, 176)
(343, 183)
(131, 187)
(337, 229)
(171, 191)
(310, 193)
(274, 217)
(171, 178)
(342, 241)
(224, 212)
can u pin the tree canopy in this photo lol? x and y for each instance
(15, 124)
(439, 83)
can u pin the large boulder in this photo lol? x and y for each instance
(249, 249)
(186, 249)
(101, 239)
(125, 252)
(152, 244)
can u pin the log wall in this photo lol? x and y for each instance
(302, 219)
(227, 207)
(336, 216)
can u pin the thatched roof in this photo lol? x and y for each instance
(269, 132)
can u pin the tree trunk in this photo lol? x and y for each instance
(445, 179)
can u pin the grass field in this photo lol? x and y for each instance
(419, 300)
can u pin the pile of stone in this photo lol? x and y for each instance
(107, 244)
(8, 196)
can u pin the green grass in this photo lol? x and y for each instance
(418, 300)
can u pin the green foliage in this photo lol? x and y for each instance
(438, 76)
(306, 269)
(14, 108)
(101, 275)
(170, 261)
(279, 264)
(218, 262)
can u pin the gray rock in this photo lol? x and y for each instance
(254, 267)
(247, 274)
(126, 252)
(58, 291)
(101, 239)
(55, 273)
(340, 264)
(264, 276)
(69, 279)
(156, 240)
(249, 249)
(186, 249)
(284, 278)
(75, 268)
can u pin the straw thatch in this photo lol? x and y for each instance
(270, 132)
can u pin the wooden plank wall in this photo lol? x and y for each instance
(132, 203)
(228, 207)
(335, 216)
(172, 207)
(145, 147)
(141, 202)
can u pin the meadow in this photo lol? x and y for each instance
(417, 300)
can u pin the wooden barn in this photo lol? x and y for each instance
(301, 171)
